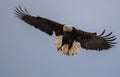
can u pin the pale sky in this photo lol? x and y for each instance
(28, 52)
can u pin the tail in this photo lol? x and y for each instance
(76, 47)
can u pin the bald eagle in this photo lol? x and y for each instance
(68, 39)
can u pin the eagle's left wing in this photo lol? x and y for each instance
(43, 24)
(92, 41)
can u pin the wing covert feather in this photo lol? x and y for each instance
(92, 41)
(43, 24)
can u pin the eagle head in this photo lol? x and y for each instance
(67, 28)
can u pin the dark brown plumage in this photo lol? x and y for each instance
(68, 40)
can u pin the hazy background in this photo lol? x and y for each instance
(28, 52)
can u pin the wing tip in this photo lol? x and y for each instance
(19, 12)
(109, 41)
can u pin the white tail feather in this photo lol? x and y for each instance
(76, 47)
(58, 41)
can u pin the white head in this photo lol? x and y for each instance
(67, 28)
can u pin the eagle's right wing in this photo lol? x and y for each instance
(43, 24)
(92, 41)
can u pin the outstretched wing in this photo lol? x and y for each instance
(43, 24)
(92, 41)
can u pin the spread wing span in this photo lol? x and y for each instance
(68, 39)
